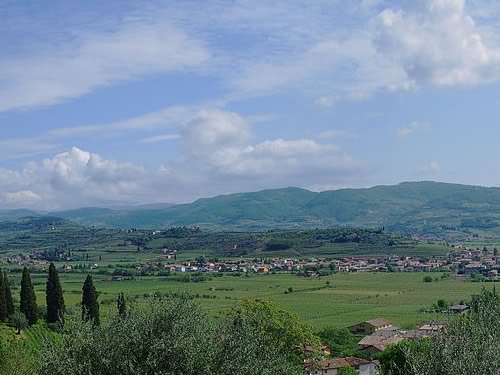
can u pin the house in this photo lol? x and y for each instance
(431, 327)
(378, 341)
(370, 326)
(331, 366)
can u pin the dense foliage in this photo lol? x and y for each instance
(171, 335)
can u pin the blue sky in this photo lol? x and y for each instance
(128, 102)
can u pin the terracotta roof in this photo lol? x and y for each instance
(379, 322)
(381, 339)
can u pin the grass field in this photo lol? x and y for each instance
(348, 299)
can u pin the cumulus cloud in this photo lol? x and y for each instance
(218, 157)
(436, 42)
(396, 48)
(213, 129)
(69, 179)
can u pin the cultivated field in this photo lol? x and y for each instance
(338, 300)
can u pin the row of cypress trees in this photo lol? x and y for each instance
(54, 299)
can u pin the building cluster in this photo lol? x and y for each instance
(465, 262)
(377, 335)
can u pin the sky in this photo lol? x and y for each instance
(135, 101)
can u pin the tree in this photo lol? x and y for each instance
(282, 329)
(90, 306)
(342, 342)
(400, 359)
(54, 296)
(8, 296)
(19, 321)
(121, 304)
(28, 298)
(3, 305)
(171, 335)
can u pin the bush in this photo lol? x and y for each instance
(428, 279)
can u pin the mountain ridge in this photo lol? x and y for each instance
(427, 208)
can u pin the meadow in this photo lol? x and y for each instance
(338, 300)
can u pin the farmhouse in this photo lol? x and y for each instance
(370, 326)
(379, 341)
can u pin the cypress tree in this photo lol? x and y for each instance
(122, 305)
(8, 296)
(90, 306)
(28, 298)
(3, 305)
(54, 296)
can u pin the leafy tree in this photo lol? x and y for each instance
(342, 342)
(428, 279)
(121, 305)
(347, 370)
(19, 321)
(28, 298)
(171, 335)
(90, 306)
(54, 297)
(8, 296)
(399, 359)
(3, 305)
(282, 329)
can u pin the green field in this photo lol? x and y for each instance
(350, 298)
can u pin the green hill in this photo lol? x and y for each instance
(441, 210)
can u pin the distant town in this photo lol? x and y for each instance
(481, 264)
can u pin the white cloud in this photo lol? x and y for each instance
(283, 159)
(213, 129)
(97, 59)
(431, 169)
(352, 50)
(166, 118)
(425, 43)
(437, 43)
(22, 197)
(218, 157)
(411, 129)
(160, 138)
(24, 147)
(326, 102)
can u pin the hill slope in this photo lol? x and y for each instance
(417, 208)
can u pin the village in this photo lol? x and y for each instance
(461, 261)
